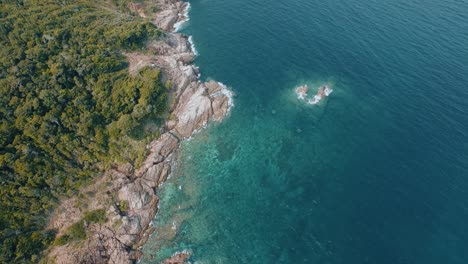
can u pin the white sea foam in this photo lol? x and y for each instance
(228, 93)
(199, 74)
(180, 25)
(315, 100)
(192, 46)
(185, 18)
(301, 92)
(301, 96)
(328, 91)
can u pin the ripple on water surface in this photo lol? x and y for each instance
(376, 173)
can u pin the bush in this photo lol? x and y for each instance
(60, 241)
(77, 231)
(123, 206)
(66, 101)
(96, 216)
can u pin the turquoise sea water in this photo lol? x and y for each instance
(376, 173)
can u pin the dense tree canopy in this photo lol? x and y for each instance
(67, 107)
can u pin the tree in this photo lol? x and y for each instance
(66, 102)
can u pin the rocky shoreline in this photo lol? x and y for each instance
(128, 195)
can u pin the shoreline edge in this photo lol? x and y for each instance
(194, 105)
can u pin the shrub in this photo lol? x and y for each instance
(60, 241)
(77, 231)
(96, 216)
(66, 101)
(123, 206)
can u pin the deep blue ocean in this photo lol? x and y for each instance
(375, 173)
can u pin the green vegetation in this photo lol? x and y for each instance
(123, 205)
(68, 109)
(75, 232)
(96, 216)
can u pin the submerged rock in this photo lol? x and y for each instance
(177, 258)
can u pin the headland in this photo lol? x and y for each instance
(127, 194)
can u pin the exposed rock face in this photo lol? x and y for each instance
(128, 224)
(171, 12)
(197, 102)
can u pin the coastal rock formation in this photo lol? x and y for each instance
(171, 12)
(128, 195)
(197, 102)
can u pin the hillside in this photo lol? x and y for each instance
(69, 108)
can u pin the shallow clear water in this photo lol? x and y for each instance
(376, 173)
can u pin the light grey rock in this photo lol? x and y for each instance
(153, 175)
(137, 193)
